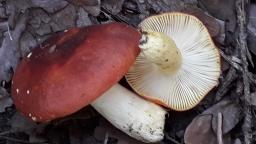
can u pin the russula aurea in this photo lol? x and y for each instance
(178, 64)
(76, 67)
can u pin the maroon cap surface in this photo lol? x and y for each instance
(73, 68)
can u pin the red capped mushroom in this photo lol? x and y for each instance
(74, 68)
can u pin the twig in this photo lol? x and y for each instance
(230, 77)
(6, 132)
(242, 44)
(114, 17)
(235, 62)
(219, 130)
(106, 138)
(8, 138)
(14, 140)
(171, 139)
(231, 61)
(9, 33)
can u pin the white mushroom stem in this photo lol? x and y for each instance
(161, 50)
(132, 114)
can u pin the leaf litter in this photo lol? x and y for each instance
(26, 23)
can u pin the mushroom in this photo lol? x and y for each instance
(82, 66)
(178, 64)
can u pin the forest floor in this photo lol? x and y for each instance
(225, 116)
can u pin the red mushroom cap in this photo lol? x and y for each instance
(73, 68)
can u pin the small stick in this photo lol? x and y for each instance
(6, 132)
(219, 128)
(106, 138)
(231, 61)
(9, 32)
(230, 77)
(238, 67)
(242, 45)
(15, 140)
(114, 17)
(171, 139)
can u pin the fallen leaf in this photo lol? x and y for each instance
(231, 115)
(50, 6)
(63, 19)
(166, 5)
(203, 128)
(82, 18)
(38, 22)
(200, 131)
(223, 10)
(21, 6)
(222, 35)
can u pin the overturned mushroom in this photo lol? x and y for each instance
(179, 64)
(75, 68)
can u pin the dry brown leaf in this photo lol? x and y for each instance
(203, 129)
(230, 111)
(50, 6)
(222, 9)
(63, 19)
(82, 18)
(200, 131)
